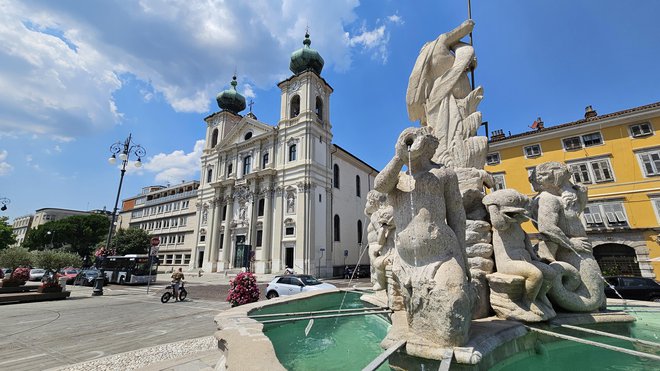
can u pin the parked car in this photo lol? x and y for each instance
(87, 277)
(290, 284)
(6, 272)
(37, 274)
(635, 288)
(70, 274)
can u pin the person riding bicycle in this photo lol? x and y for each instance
(177, 278)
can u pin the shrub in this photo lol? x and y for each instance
(16, 257)
(243, 289)
(53, 260)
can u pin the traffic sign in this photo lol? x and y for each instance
(155, 241)
(154, 250)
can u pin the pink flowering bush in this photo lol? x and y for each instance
(243, 289)
(20, 274)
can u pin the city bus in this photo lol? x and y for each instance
(130, 269)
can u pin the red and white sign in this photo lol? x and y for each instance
(155, 241)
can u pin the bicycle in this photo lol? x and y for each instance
(168, 295)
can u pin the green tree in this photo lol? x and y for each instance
(131, 241)
(15, 257)
(6, 233)
(55, 260)
(77, 234)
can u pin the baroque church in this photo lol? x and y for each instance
(281, 196)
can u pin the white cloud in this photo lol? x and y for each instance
(63, 61)
(5, 167)
(176, 166)
(396, 19)
(375, 40)
(248, 92)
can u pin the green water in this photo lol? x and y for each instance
(562, 355)
(348, 343)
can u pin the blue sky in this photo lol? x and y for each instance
(78, 76)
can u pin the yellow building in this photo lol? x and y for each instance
(617, 156)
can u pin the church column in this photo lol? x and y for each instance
(226, 243)
(265, 265)
(214, 233)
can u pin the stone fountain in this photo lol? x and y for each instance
(444, 237)
(454, 266)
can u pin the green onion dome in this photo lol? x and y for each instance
(306, 58)
(230, 99)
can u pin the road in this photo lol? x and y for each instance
(37, 336)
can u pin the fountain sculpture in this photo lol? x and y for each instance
(444, 254)
(449, 236)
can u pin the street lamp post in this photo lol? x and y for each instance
(123, 151)
(4, 201)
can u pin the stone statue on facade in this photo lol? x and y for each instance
(380, 235)
(519, 287)
(557, 207)
(430, 264)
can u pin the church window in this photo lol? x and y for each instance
(248, 135)
(264, 160)
(295, 106)
(230, 168)
(214, 138)
(336, 228)
(357, 186)
(335, 178)
(359, 232)
(247, 165)
(319, 107)
(260, 207)
(292, 152)
(209, 176)
(260, 237)
(224, 212)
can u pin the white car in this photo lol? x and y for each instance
(290, 284)
(37, 274)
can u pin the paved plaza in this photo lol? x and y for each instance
(83, 328)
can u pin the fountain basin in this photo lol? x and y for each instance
(246, 343)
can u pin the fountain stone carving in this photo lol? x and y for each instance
(519, 287)
(430, 264)
(578, 286)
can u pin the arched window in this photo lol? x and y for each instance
(295, 106)
(214, 138)
(336, 228)
(319, 107)
(335, 176)
(209, 176)
(359, 231)
(292, 152)
(247, 165)
(264, 160)
(230, 168)
(260, 207)
(357, 186)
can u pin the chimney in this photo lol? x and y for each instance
(497, 134)
(589, 112)
(537, 124)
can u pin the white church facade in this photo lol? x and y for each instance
(283, 195)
